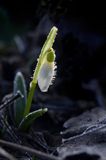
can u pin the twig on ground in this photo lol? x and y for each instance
(12, 99)
(6, 154)
(35, 152)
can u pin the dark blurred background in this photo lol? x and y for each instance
(80, 44)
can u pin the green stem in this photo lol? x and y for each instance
(29, 99)
(32, 89)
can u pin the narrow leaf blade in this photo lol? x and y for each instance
(19, 104)
(28, 120)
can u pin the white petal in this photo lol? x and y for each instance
(45, 76)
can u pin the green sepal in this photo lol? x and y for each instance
(28, 120)
(19, 104)
(51, 55)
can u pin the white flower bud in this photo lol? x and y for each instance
(46, 75)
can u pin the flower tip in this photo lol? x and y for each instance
(54, 29)
(44, 89)
(45, 109)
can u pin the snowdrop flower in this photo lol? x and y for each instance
(44, 72)
(47, 71)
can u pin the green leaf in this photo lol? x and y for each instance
(28, 120)
(19, 104)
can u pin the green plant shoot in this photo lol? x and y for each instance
(43, 75)
(44, 57)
